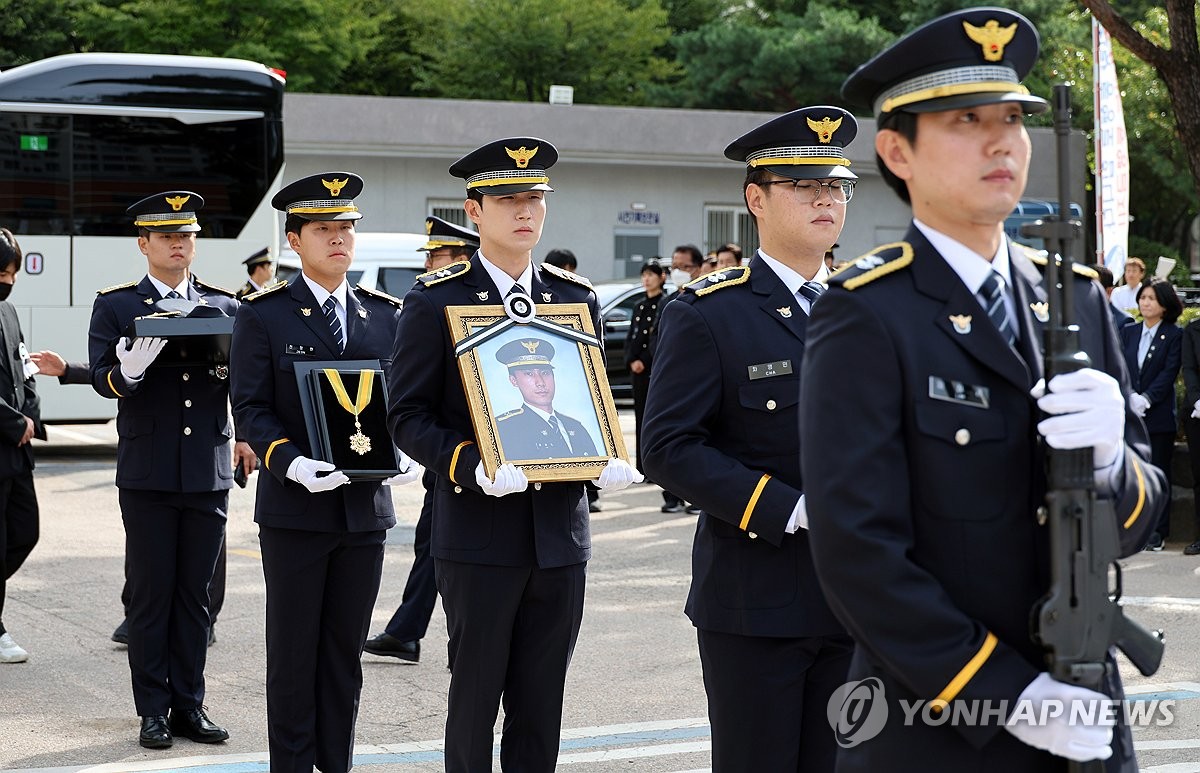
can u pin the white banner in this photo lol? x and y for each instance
(1112, 157)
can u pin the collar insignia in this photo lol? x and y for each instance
(1041, 311)
(362, 313)
(306, 312)
(546, 297)
(522, 156)
(824, 128)
(785, 312)
(177, 202)
(482, 295)
(991, 37)
(334, 186)
(149, 301)
(962, 323)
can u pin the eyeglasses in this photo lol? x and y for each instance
(840, 191)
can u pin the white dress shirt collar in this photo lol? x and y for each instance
(503, 281)
(163, 288)
(793, 279)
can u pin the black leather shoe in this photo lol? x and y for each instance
(593, 507)
(195, 724)
(1192, 549)
(155, 734)
(389, 646)
(672, 508)
(121, 635)
(694, 509)
(212, 634)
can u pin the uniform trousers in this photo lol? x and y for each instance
(767, 700)
(216, 588)
(171, 545)
(321, 587)
(512, 633)
(411, 620)
(641, 388)
(1192, 427)
(18, 528)
(1162, 448)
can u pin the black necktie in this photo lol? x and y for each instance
(553, 420)
(812, 291)
(517, 289)
(992, 293)
(174, 294)
(335, 326)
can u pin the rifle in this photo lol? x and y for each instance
(1080, 617)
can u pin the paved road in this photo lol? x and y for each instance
(634, 697)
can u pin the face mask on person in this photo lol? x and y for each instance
(5, 289)
(680, 277)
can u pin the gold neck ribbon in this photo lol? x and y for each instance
(359, 443)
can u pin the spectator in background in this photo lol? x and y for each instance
(20, 422)
(1191, 424)
(51, 363)
(830, 259)
(260, 271)
(638, 356)
(709, 265)
(1152, 354)
(729, 255)
(1125, 297)
(1121, 318)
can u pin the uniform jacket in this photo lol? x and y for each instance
(246, 289)
(525, 435)
(546, 525)
(637, 340)
(924, 476)
(1156, 377)
(18, 399)
(721, 430)
(173, 427)
(271, 335)
(1191, 365)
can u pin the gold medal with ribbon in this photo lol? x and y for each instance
(359, 443)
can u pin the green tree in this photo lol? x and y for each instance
(36, 29)
(515, 49)
(747, 61)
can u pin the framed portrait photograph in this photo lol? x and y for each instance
(537, 390)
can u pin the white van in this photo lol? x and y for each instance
(388, 262)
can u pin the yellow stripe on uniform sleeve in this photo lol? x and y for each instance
(762, 483)
(1141, 484)
(110, 383)
(968, 672)
(270, 449)
(454, 459)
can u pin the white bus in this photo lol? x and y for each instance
(82, 137)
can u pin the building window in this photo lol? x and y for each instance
(450, 210)
(725, 223)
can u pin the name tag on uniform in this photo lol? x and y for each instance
(301, 349)
(769, 369)
(958, 392)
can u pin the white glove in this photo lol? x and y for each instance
(138, 357)
(304, 471)
(1196, 410)
(1064, 733)
(1138, 404)
(799, 519)
(1086, 409)
(510, 479)
(618, 474)
(410, 471)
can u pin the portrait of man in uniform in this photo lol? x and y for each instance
(534, 430)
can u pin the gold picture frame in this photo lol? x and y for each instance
(508, 401)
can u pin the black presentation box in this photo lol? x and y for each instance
(331, 427)
(191, 341)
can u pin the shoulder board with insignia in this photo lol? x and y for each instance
(380, 294)
(880, 261)
(214, 288)
(1042, 258)
(458, 268)
(107, 290)
(265, 291)
(562, 273)
(510, 414)
(717, 280)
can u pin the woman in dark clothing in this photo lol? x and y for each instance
(638, 352)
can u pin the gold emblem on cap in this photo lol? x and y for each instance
(428, 227)
(177, 202)
(991, 37)
(824, 128)
(961, 322)
(334, 186)
(531, 346)
(521, 155)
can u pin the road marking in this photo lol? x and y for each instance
(78, 437)
(247, 553)
(1167, 602)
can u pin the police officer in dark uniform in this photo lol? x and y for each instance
(924, 423)
(510, 557)
(401, 638)
(321, 534)
(259, 268)
(174, 471)
(536, 430)
(722, 432)
(639, 357)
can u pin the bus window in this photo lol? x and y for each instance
(35, 162)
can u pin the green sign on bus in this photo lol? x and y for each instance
(38, 142)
